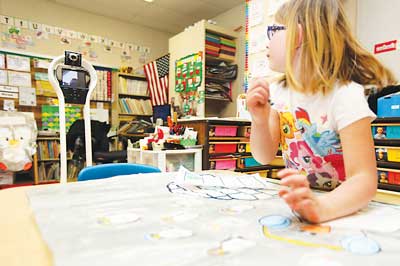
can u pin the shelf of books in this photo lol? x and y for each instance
(132, 98)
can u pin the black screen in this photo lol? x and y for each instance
(73, 79)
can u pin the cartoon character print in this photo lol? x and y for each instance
(319, 172)
(323, 143)
(317, 155)
(288, 128)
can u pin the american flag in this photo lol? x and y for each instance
(157, 78)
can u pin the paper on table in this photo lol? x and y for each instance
(254, 181)
(19, 63)
(375, 217)
(19, 79)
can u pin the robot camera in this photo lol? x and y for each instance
(73, 59)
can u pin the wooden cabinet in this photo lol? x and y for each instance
(187, 50)
(226, 145)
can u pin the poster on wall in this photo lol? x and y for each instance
(188, 77)
(14, 37)
(50, 117)
(256, 12)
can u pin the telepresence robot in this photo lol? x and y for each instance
(74, 80)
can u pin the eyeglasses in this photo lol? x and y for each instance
(271, 30)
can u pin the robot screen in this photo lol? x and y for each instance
(73, 79)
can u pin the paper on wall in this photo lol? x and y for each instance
(260, 68)
(11, 95)
(41, 63)
(9, 89)
(258, 41)
(19, 79)
(3, 77)
(274, 6)
(8, 105)
(2, 61)
(27, 96)
(19, 63)
(256, 12)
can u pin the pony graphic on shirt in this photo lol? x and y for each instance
(318, 155)
(287, 127)
(324, 143)
(319, 173)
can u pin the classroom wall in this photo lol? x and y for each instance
(51, 13)
(378, 22)
(350, 7)
(233, 19)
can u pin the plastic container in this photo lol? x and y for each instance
(223, 164)
(388, 176)
(222, 147)
(393, 154)
(389, 106)
(226, 131)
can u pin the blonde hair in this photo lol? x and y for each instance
(329, 51)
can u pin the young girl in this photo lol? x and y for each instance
(317, 111)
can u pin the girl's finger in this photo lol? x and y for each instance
(297, 195)
(295, 181)
(287, 171)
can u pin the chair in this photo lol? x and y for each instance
(113, 169)
(100, 143)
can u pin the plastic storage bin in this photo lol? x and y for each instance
(388, 176)
(393, 154)
(244, 162)
(223, 164)
(222, 147)
(225, 131)
(389, 106)
(168, 160)
(386, 131)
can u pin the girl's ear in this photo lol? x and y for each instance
(300, 36)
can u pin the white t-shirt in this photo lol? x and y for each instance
(310, 126)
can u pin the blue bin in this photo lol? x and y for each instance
(389, 106)
(393, 132)
(250, 162)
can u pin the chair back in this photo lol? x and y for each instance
(113, 169)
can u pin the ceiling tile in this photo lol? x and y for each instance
(166, 15)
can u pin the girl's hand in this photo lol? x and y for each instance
(299, 196)
(258, 100)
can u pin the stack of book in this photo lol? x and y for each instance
(135, 106)
(133, 87)
(213, 44)
(219, 46)
(103, 90)
(228, 49)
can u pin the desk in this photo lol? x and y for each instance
(234, 226)
(21, 242)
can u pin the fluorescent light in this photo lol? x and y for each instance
(149, 1)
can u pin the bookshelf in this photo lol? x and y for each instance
(217, 46)
(131, 98)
